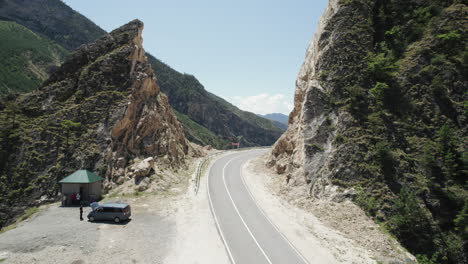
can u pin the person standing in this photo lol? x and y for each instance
(73, 198)
(78, 198)
(81, 212)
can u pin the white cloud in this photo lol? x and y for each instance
(263, 103)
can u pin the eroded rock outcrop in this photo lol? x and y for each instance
(101, 110)
(304, 151)
(380, 118)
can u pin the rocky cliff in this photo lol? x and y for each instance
(207, 119)
(101, 110)
(380, 117)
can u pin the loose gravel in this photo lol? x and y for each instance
(56, 235)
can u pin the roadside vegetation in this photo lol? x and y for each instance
(29, 212)
(411, 125)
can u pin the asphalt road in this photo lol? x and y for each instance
(247, 233)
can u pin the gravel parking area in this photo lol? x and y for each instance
(56, 235)
(171, 226)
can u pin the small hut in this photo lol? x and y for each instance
(83, 182)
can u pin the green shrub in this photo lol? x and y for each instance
(461, 221)
(423, 259)
(410, 223)
(378, 92)
(381, 65)
(386, 160)
(451, 41)
(439, 59)
(339, 139)
(429, 155)
(451, 36)
(368, 203)
(394, 36)
(357, 101)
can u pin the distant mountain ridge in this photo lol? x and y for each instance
(225, 121)
(278, 117)
(198, 110)
(280, 120)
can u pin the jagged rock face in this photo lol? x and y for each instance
(305, 149)
(99, 111)
(142, 122)
(380, 117)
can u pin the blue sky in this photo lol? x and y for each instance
(248, 52)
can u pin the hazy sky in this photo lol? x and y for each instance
(246, 51)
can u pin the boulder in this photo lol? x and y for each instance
(142, 168)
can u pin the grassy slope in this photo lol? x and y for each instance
(53, 19)
(25, 58)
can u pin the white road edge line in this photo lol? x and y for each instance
(237, 210)
(216, 219)
(269, 220)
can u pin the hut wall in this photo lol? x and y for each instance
(95, 189)
(69, 188)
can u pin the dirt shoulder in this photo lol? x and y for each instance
(197, 239)
(342, 228)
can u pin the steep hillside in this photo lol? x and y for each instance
(199, 134)
(101, 110)
(203, 110)
(226, 121)
(277, 117)
(53, 19)
(380, 116)
(280, 120)
(27, 58)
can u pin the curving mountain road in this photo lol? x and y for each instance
(247, 233)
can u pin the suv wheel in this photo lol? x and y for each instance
(117, 220)
(91, 218)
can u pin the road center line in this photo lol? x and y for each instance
(238, 213)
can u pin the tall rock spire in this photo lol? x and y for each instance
(99, 111)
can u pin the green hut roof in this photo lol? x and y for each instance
(81, 176)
